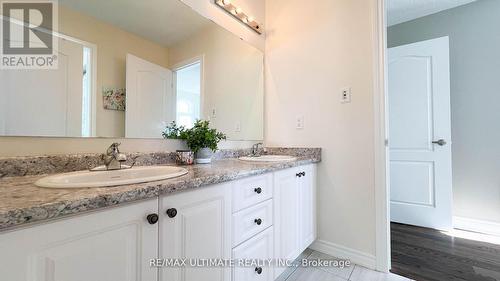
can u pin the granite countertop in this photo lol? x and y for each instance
(21, 202)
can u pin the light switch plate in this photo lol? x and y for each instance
(345, 96)
(300, 122)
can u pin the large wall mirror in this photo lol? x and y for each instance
(128, 68)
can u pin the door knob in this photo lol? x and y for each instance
(440, 142)
(152, 218)
(171, 213)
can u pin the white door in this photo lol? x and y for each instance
(44, 102)
(150, 102)
(111, 245)
(199, 228)
(420, 134)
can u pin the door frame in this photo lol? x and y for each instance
(93, 72)
(186, 63)
(381, 151)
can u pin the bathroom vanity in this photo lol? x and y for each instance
(229, 210)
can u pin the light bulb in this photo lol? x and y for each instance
(239, 10)
(250, 19)
(226, 2)
(233, 11)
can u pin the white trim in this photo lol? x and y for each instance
(93, 74)
(474, 225)
(183, 64)
(381, 173)
(338, 251)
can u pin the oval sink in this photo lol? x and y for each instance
(83, 179)
(269, 158)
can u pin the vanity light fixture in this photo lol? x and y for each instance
(239, 14)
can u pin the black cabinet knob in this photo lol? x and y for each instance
(258, 221)
(171, 213)
(258, 270)
(298, 175)
(152, 218)
(303, 174)
(258, 190)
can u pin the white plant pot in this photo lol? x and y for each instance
(204, 156)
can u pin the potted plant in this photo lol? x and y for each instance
(201, 139)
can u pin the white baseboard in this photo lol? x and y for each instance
(342, 252)
(486, 227)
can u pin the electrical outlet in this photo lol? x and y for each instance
(214, 113)
(345, 96)
(237, 127)
(300, 122)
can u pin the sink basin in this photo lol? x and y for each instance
(269, 158)
(83, 179)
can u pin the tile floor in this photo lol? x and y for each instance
(352, 273)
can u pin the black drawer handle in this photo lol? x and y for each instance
(258, 270)
(258, 221)
(171, 213)
(258, 190)
(152, 218)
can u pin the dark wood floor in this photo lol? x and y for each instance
(428, 255)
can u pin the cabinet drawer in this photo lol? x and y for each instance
(259, 248)
(251, 191)
(248, 222)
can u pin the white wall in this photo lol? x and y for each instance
(312, 51)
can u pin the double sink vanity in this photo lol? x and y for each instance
(135, 224)
(138, 217)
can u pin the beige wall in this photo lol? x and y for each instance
(233, 81)
(312, 52)
(113, 44)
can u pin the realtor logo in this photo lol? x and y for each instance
(27, 32)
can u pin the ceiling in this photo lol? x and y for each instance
(399, 11)
(165, 22)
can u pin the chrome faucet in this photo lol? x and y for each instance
(113, 159)
(255, 149)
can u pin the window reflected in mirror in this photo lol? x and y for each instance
(123, 74)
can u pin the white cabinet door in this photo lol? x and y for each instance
(260, 247)
(294, 212)
(111, 245)
(307, 189)
(287, 216)
(200, 228)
